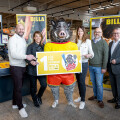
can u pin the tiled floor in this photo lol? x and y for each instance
(62, 111)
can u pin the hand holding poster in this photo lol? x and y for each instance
(58, 62)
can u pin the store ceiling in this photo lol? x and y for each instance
(69, 9)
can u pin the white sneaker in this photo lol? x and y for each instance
(78, 99)
(16, 107)
(72, 104)
(82, 105)
(23, 113)
(55, 103)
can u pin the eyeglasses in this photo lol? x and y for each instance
(115, 33)
(97, 32)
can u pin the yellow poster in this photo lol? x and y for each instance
(32, 23)
(4, 65)
(58, 62)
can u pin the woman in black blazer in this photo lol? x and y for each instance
(34, 47)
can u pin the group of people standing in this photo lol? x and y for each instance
(93, 51)
(102, 57)
(97, 53)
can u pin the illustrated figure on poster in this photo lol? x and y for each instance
(108, 25)
(31, 26)
(60, 35)
(70, 61)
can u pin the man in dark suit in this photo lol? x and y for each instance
(114, 67)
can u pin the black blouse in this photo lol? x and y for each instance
(32, 49)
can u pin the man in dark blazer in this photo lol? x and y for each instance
(114, 67)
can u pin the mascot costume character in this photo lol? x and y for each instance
(60, 36)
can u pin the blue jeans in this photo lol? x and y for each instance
(97, 80)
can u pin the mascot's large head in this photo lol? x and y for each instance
(60, 31)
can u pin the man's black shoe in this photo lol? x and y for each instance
(36, 104)
(117, 106)
(39, 100)
(112, 100)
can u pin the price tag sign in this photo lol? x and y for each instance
(58, 62)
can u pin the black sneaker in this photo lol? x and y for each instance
(117, 106)
(39, 100)
(112, 101)
(36, 104)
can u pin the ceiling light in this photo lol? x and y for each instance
(89, 7)
(30, 9)
(111, 2)
(28, 4)
(73, 10)
(100, 5)
(104, 7)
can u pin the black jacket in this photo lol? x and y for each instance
(115, 68)
(32, 49)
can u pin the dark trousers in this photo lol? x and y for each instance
(115, 84)
(81, 81)
(17, 74)
(33, 86)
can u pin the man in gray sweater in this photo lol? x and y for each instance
(98, 65)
